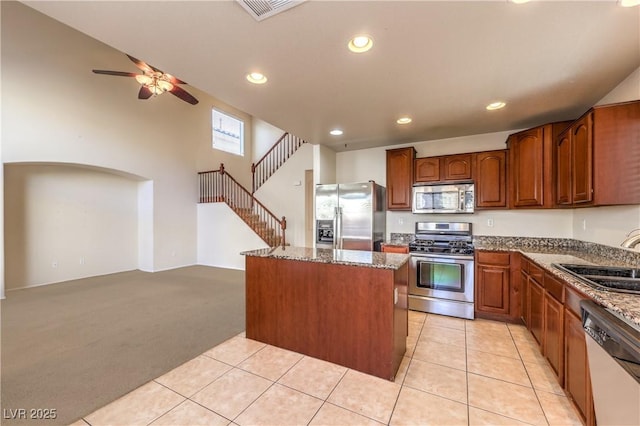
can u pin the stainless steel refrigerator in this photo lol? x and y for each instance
(350, 216)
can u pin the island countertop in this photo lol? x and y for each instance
(340, 257)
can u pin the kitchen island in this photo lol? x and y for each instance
(343, 306)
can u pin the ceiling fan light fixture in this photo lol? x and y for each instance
(164, 85)
(360, 44)
(496, 105)
(256, 78)
(143, 79)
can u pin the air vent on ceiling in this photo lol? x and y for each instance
(262, 9)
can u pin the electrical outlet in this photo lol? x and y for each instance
(490, 223)
(82, 260)
(584, 224)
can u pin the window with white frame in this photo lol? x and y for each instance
(227, 132)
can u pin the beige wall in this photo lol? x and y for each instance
(66, 222)
(55, 110)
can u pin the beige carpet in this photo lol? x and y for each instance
(78, 345)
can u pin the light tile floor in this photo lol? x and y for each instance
(455, 372)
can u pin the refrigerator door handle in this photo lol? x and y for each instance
(338, 233)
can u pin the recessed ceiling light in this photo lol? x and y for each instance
(336, 132)
(257, 78)
(629, 3)
(360, 44)
(403, 120)
(495, 105)
(519, 1)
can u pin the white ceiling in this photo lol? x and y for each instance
(440, 62)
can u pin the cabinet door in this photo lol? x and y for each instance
(457, 167)
(524, 301)
(394, 248)
(577, 382)
(563, 169)
(536, 310)
(527, 172)
(491, 180)
(582, 162)
(554, 335)
(399, 178)
(427, 169)
(492, 290)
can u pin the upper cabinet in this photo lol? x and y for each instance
(574, 163)
(598, 157)
(400, 163)
(444, 168)
(427, 169)
(531, 175)
(491, 179)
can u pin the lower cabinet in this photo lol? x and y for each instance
(536, 310)
(497, 286)
(553, 348)
(551, 312)
(577, 382)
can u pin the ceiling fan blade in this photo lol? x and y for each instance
(173, 79)
(184, 95)
(117, 73)
(143, 65)
(144, 93)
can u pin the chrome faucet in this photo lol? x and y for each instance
(631, 240)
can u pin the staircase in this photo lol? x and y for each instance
(280, 152)
(218, 186)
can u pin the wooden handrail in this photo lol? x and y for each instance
(271, 161)
(220, 186)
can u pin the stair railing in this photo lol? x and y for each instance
(280, 152)
(219, 186)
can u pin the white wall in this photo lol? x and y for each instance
(284, 193)
(324, 165)
(265, 136)
(66, 222)
(57, 111)
(221, 245)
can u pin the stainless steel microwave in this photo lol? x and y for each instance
(443, 198)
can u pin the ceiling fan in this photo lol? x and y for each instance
(153, 81)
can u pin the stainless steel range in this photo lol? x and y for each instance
(441, 273)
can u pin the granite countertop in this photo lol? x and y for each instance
(572, 251)
(341, 257)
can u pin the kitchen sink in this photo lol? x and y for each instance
(609, 278)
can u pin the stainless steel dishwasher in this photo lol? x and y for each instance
(613, 349)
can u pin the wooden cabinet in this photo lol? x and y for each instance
(577, 382)
(427, 169)
(536, 310)
(497, 293)
(597, 157)
(457, 167)
(491, 179)
(531, 178)
(574, 166)
(553, 347)
(395, 248)
(551, 312)
(400, 164)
